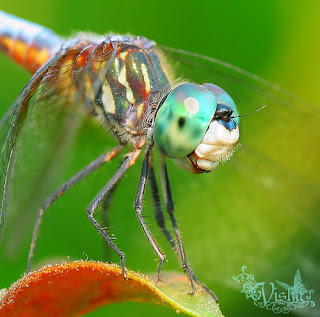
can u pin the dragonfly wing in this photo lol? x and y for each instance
(9, 127)
(269, 191)
(46, 117)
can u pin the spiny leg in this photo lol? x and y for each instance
(65, 187)
(138, 206)
(105, 206)
(170, 209)
(160, 218)
(128, 162)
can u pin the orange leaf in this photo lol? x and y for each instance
(76, 288)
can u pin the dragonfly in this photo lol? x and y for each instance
(147, 96)
(122, 82)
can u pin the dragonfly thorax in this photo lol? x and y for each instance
(118, 78)
(133, 84)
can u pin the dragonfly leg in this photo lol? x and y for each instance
(161, 221)
(105, 205)
(180, 248)
(65, 187)
(127, 163)
(138, 206)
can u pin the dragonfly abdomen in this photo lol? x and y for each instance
(28, 44)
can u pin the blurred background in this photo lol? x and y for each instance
(261, 209)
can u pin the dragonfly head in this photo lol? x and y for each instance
(197, 126)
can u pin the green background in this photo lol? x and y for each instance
(227, 217)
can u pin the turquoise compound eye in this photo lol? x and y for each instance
(183, 119)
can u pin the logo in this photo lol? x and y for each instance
(281, 299)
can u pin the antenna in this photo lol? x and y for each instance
(248, 114)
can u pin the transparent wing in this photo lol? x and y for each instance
(40, 127)
(265, 200)
(9, 128)
(284, 132)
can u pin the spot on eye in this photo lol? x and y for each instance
(192, 105)
(181, 122)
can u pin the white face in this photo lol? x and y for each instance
(216, 146)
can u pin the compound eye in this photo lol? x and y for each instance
(183, 119)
